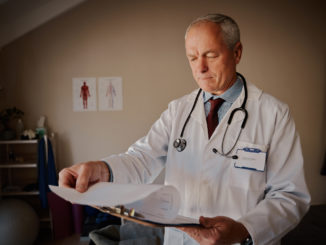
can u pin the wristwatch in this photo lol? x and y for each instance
(247, 241)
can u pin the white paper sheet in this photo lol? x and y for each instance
(158, 203)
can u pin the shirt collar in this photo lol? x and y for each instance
(229, 95)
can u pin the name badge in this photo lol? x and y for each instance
(251, 159)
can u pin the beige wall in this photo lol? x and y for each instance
(142, 41)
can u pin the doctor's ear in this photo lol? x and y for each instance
(237, 52)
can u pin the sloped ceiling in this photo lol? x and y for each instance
(17, 17)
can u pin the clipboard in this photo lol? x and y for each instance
(156, 205)
(140, 219)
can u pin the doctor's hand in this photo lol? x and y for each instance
(81, 176)
(217, 230)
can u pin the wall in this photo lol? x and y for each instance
(143, 42)
(18, 17)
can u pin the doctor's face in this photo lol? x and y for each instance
(212, 62)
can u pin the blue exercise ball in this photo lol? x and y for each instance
(19, 224)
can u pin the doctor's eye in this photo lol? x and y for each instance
(192, 58)
(211, 55)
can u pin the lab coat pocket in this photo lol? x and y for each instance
(248, 180)
(243, 173)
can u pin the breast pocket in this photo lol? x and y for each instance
(243, 174)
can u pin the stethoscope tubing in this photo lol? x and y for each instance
(192, 109)
(180, 143)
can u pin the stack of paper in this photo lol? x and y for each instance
(155, 205)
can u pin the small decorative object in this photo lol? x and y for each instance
(6, 118)
(28, 134)
(41, 130)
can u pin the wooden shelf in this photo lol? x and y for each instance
(21, 193)
(9, 142)
(18, 165)
(18, 176)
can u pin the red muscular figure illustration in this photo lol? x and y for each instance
(84, 93)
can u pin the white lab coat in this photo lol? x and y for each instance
(268, 203)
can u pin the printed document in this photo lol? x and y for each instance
(156, 204)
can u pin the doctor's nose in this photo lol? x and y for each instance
(202, 65)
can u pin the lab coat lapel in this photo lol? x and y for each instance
(198, 115)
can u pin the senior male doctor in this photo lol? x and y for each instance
(246, 185)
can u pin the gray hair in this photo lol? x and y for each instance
(230, 29)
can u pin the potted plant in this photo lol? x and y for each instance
(6, 118)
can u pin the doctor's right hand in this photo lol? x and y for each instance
(82, 175)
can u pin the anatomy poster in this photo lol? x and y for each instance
(110, 93)
(84, 94)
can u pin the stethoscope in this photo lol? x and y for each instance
(180, 143)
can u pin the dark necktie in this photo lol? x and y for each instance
(212, 117)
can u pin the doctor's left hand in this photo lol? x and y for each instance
(217, 230)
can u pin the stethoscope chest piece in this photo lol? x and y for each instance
(180, 144)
